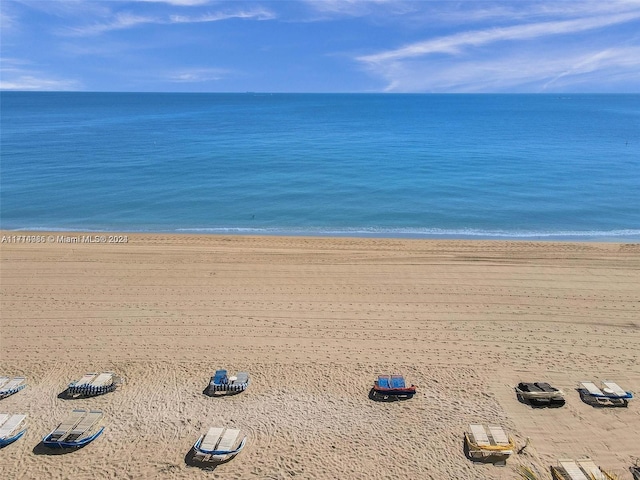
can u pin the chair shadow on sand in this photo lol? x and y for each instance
(191, 461)
(377, 397)
(211, 394)
(42, 449)
(538, 404)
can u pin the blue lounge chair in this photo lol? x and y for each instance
(393, 386)
(10, 428)
(610, 395)
(92, 384)
(77, 430)
(221, 382)
(218, 445)
(9, 386)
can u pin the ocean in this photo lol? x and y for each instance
(558, 167)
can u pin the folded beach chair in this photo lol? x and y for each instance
(218, 445)
(221, 382)
(9, 386)
(393, 386)
(10, 428)
(610, 395)
(78, 429)
(483, 444)
(540, 394)
(92, 384)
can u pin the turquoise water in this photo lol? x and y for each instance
(446, 166)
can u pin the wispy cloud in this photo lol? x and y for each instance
(454, 44)
(197, 75)
(531, 71)
(507, 57)
(180, 3)
(126, 20)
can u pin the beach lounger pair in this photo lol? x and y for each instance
(583, 469)
(92, 384)
(393, 386)
(610, 395)
(9, 386)
(221, 382)
(540, 394)
(218, 445)
(11, 428)
(491, 441)
(78, 429)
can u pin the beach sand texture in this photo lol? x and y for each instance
(314, 321)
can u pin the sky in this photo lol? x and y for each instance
(368, 46)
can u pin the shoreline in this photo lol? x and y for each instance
(586, 237)
(314, 320)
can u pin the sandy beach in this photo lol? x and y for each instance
(314, 321)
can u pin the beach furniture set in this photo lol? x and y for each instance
(92, 384)
(540, 394)
(490, 441)
(9, 386)
(222, 382)
(609, 395)
(392, 386)
(218, 445)
(582, 469)
(11, 428)
(221, 444)
(11, 425)
(79, 428)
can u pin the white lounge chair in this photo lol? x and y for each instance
(9, 386)
(77, 430)
(610, 395)
(482, 444)
(10, 428)
(218, 445)
(582, 469)
(92, 384)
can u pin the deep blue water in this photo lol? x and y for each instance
(515, 166)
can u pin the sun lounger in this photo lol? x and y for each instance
(221, 382)
(572, 470)
(540, 394)
(613, 390)
(218, 445)
(10, 428)
(591, 469)
(11, 386)
(610, 395)
(582, 469)
(393, 386)
(92, 384)
(77, 430)
(494, 443)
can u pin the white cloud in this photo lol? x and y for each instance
(454, 44)
(533, 71)
(197, 75)
(256, 14)
(34, 82)
(180, 3)
(124, 20)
